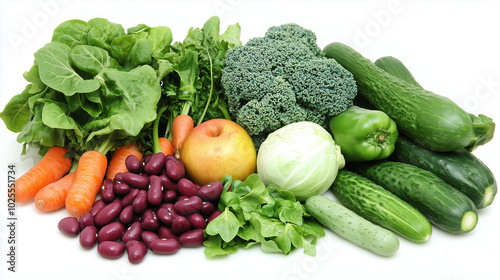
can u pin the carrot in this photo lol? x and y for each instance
(89, 177)
(53, 196)
(181, 126)
(117, 161)
(52, 167)
(167, 148)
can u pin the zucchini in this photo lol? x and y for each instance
(433, 120)
(380, 206)
(483, 126)
(461, 169)
(444, 206)
(352, 227)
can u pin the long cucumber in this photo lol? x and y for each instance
(352, 227)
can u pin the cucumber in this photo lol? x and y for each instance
(380, 206)
(444, 206)
(461, 169)
(433, 120)
(352, 227)
(483, 126)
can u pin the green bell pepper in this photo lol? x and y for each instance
(364, 134)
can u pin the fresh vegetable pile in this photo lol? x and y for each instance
(129, 122)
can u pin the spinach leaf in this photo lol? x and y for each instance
(17, 112)
(140, 54)
(71, 33)
(92, 59)
(102, 33)
(130, 100)
(56, 72)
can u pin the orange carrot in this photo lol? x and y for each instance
(167, 148)
(181, 126)
(89, 177)
(53, 196)
(117, 161)
(52, 167)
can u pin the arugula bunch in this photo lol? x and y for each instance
(255, 214)
(96, 86)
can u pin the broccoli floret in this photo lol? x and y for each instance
(283, 78)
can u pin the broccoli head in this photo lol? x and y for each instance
(282, 78)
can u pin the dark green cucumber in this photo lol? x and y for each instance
(461, 169)
(433, 120)
(444, 206)
(380, 206)
(483, 126)
(352, 227)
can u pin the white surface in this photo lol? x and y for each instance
(451, 47)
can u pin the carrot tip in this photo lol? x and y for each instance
(40, 203)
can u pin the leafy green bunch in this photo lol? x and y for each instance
(253, 213)
(96, 86)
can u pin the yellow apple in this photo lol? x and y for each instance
(217, 148)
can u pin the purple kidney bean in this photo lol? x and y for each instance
(136, 251)
(108, 213)
(134, 232)
(149, 221)
(197, 221)
(167, 183)
(214, 215)
(140, 203)
(164, 216)
(188, 206)
(86, 220)
(192, 238)
(118, 177)
(136, 181)
(174, 170)
(155, 164)
(165, 233)
(180, 224)
(88, 237)
(107, 191)
(98, 205)
(69, 226)
(165, 246)
(169, 196)
(148, 237)
(127, 199)
(207, 209)
(110, 232)
(186, 187)
(211, 192)
(121, 188)
(133, 164)
(126, 215)
(111, 249)
(155, 192)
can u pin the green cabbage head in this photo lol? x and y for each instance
(301, 157)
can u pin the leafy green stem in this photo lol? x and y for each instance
(156, 139)
(211, 89)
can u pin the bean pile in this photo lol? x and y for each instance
(152, 206)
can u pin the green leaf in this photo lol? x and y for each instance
(35, 131)
(33, 77)
(56, 117)
(160, 38)
(129, 100)
(187, 68)
(17, 112)
(121, 47)
(232, 35)
(92, 59)
(140, 54)
(214, 247)
(71, 33)
(56, 72)
(226, 225)
(102, 33)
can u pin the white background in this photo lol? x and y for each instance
(451, 47)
